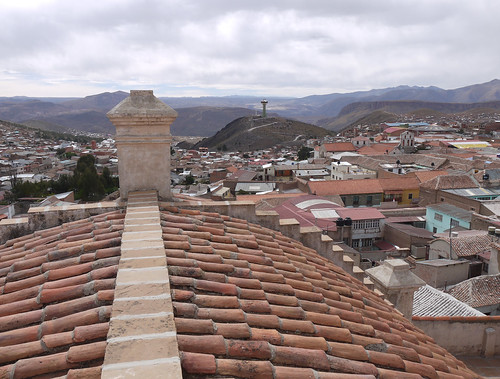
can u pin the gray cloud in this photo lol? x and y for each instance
(239, 47)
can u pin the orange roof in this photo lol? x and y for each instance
(396, 184)
(339, 146)
(344, 187)
(424, 176)
(377, 149)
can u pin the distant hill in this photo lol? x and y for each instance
(254, 133)
(102, 102)
(375, 117)
(204, 116)
(45, 125)
(205, 121)
(89, 114)
(355, 112)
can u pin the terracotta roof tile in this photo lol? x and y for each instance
(57, 292)
(248, 302)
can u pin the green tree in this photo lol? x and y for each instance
(109, 182)
(65, 183)
(303, 153)
(189, 180)
(88, 184)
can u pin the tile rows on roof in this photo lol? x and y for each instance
(468, 245)
(479, 291)
(249, 302)
(56, 291)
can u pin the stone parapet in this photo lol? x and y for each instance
(50, 216)
(478, 335)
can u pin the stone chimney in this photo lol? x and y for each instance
(395, 280)
(143, 141)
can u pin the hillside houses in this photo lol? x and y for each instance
(414, 194)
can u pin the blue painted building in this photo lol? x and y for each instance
(440, 217)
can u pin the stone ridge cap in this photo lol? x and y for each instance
(142, 337)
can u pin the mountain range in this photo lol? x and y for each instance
(205, 116)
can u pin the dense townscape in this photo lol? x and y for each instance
(409, 209)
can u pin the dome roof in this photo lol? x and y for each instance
(248, 303)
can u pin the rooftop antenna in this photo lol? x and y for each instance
(264, 103)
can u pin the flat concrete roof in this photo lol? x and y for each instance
(441, 262)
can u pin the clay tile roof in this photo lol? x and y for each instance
(339, 146)
(377, 149)
(450, 182)
(252, 303)
(424, 176)
(466, 245)
(479, 291)
(56, 292)
(344, 187)
(248, 302)
(395, 184)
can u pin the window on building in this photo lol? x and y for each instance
(355, 200)
(355, 243)
(358, 224)
(410, 196)
(369, 200)
(438, 217)
(454, 223)
(434, 230)
(365, 242)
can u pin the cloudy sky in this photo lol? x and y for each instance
(243, 47)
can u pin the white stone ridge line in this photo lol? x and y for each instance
(142, 337)
(142, 269)
(144, 231)
(152, 297)
(141, 316)
(131, 220)
(152, 362)
(152, 224)
(142, 257)
(138, 238)
(149, 208)
(143, 247)
(150, 240)
(142, 282)
(131, 215)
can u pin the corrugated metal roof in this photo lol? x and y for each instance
(429, 301)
